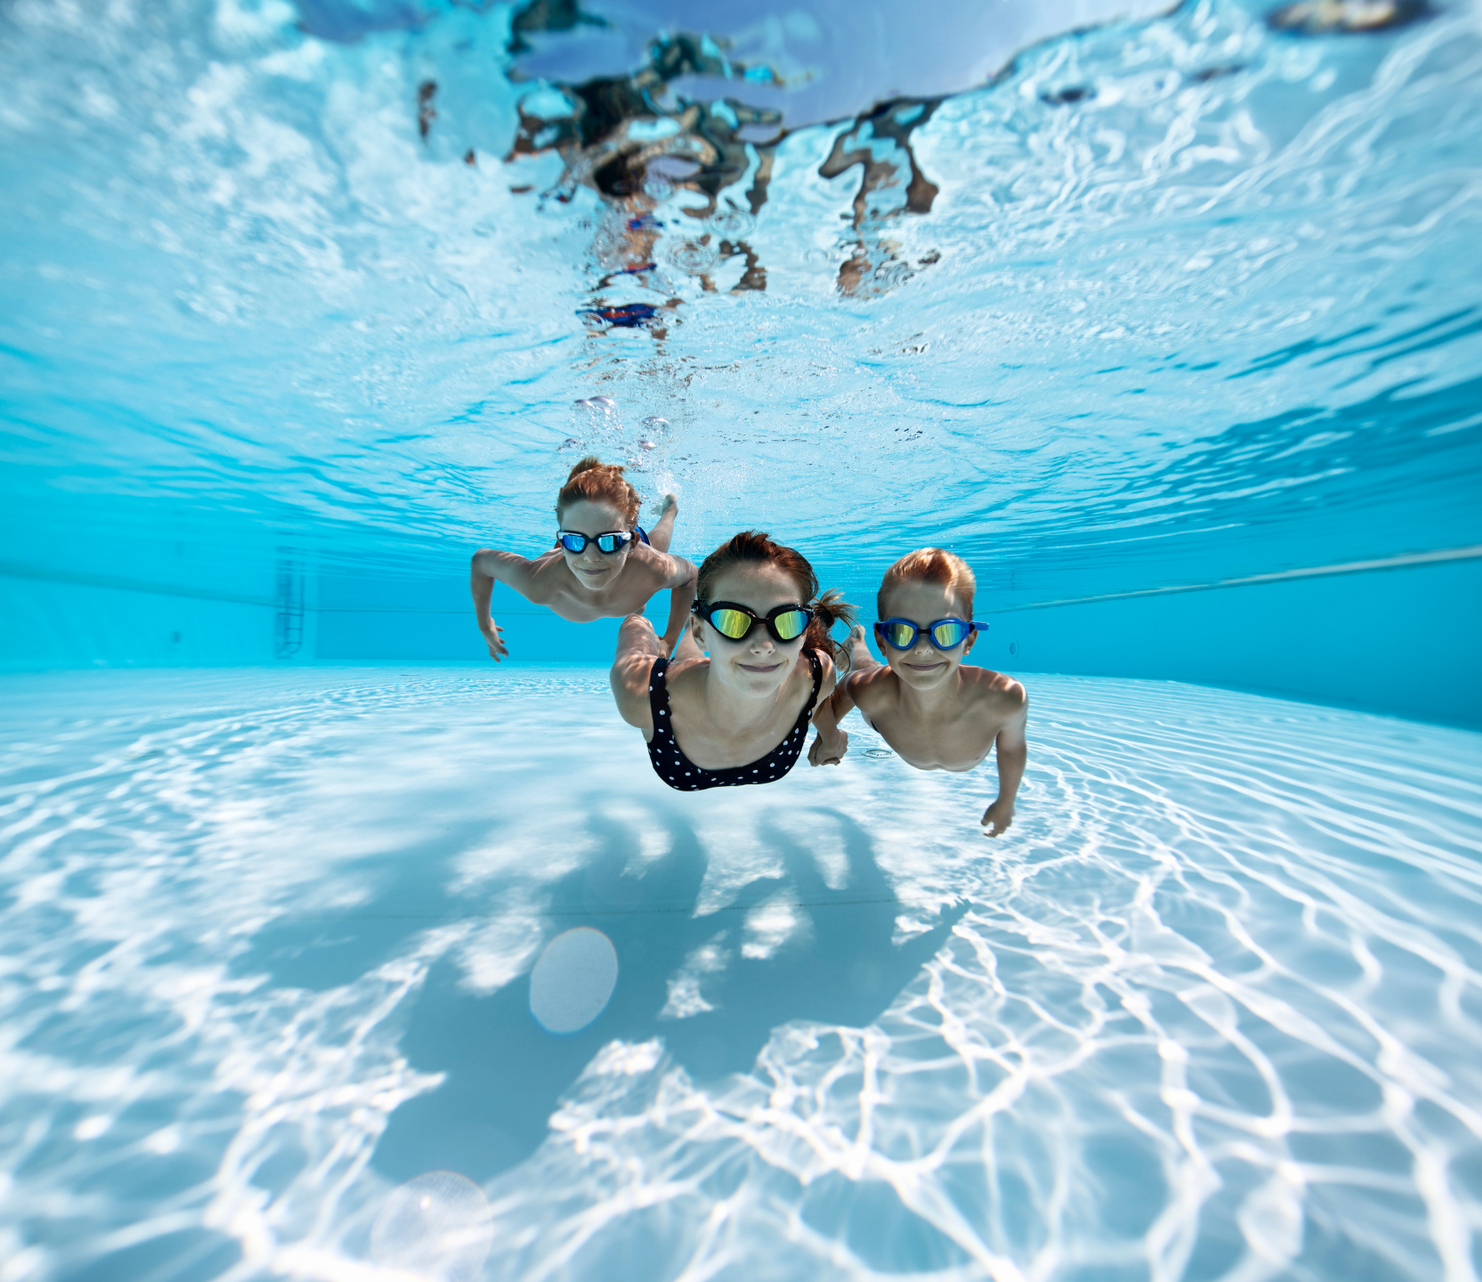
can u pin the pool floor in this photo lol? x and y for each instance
(1212, 1009)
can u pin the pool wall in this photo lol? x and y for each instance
(1396, 640)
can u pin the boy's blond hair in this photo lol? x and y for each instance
(930, 565)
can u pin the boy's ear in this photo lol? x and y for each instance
(972, 640)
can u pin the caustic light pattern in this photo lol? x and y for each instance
(273, 944)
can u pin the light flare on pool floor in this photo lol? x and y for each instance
(1210, 1010)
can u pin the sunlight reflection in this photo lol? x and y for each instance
(573, 980)
(437, 1227)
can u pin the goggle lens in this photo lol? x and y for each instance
(730, 623)
(900, 635)
(606, 543)
(791, 625)
(945, 634)
(949, 634)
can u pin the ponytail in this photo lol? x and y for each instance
(829, 609)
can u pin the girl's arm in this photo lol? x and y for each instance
(681, 585)
(831, 743)
(843, 704)
(490, 566)
(637, 648)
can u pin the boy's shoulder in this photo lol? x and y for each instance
(994, 689)
(871, 684)
(546, 574)
(658, 565)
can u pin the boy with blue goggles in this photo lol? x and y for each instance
(935, 712)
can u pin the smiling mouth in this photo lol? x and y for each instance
(753, 667)
(601, 569)
(925, 667)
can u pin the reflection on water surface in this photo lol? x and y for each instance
(1179, 297)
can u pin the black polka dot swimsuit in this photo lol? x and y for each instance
(678, 771)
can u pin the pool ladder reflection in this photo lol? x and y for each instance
(288, 623)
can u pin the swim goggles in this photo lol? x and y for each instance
(735, 622)
(606, 543)
(945, 634)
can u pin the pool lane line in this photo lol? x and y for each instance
(14, 570)
(1438, 556)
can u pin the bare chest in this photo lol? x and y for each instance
(627, 596)
(714, 747)
(957, 745)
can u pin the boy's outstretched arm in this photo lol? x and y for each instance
(842, 703)
(488, 567)
(681, 585)
(1013, 755)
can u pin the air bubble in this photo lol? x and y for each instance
(731, 224)
(691, 257)
(658, 187)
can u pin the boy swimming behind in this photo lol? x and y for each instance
(603, 566)
(936, 713)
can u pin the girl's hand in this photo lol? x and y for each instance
(492, 634)
(830, 751)
(998, 817)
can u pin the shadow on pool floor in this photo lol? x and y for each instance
(505, 1074)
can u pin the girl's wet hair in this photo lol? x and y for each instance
(753, 547)
(930, 565)
(594, 481)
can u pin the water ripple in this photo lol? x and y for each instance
(1211, 1009)
(1156, 279)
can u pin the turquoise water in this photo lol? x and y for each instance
(1164, 317)
(1210, 1010)
(1213, 317)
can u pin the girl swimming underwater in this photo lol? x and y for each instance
(741, 715)
(603, 565)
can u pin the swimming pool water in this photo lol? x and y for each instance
(1210, 1010)
(1164, 316)
(1194, 298)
